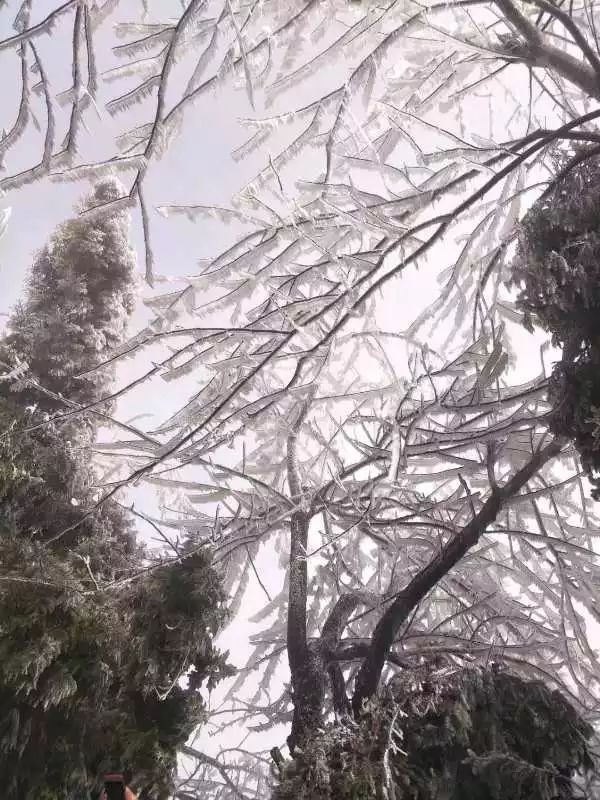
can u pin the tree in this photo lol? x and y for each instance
(400, 464)
(472, 734)
(80, 293)
(557, 267)
(92, 653)
(79, 296)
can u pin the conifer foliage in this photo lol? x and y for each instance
(79, 296)
(558, 270)
(461, 734)
(80, 293)
(95, 636)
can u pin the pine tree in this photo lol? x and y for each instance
(80, 294)
(90, 656)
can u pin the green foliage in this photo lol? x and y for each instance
(44, 469)
(467, 735)
(89, 679)
(558, 270)
(96, 639)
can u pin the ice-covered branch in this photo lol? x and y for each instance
(456, 548)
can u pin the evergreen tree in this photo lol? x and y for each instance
(80, 293)
(90, 656)
(557, 270)
(458, 734)
(79, 296)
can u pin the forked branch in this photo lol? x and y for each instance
(450, 554)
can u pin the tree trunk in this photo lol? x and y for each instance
(309, 684)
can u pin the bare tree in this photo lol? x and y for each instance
(398, 462)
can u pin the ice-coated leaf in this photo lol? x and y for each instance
(4, 218)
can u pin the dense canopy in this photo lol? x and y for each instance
(558, 267)
(96, 635)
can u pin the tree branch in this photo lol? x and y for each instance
(570, 25)
(330, 639)
(359, 650)
(537, 52)
(296, 620)
(396, 614)
(40, 28)
(213, 762)
(339, 616)
(520, 22)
